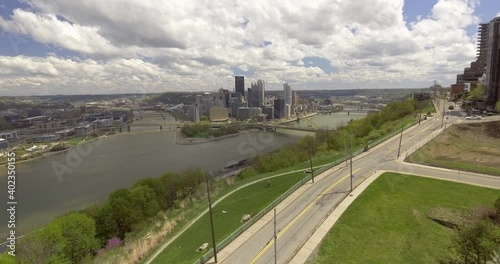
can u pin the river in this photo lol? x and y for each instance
(51, 186)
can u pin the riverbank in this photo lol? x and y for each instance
(48, 152)
(181, 140)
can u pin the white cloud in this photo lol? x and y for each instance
(158, 45)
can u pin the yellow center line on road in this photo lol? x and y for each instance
(280, 233)
(410, 138)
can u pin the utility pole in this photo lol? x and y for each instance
(442, 119)
(275, 237)
(420, 117)
(350, 141)
(311, 163)
(345, 149)
(400, 139)
(211, 219)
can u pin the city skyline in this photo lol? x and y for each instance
(84, 47)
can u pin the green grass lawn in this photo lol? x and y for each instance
(227, 218)
(388, 222)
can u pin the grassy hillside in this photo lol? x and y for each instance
(469, 147)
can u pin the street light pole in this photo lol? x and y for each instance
(400, 139)
(211, 219)
(350, 141)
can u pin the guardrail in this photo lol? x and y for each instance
(207, 256)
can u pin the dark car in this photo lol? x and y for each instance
(451, 107)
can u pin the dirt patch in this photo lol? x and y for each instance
(447, 217)
(476, 144)
(492, 129)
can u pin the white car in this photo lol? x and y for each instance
(476, 117)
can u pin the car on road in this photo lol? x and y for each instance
(451, 107)
(475, 117)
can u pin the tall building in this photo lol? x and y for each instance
(295, 99)
(477, 67)
(287, 93)
(288, 110)
(256, 99)
(486, 68)
(279, 108)
(250, 99)
(492, 80)
(194, 113)
(239, 85)
(261, 92)
(269, 112)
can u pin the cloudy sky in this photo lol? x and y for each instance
(112, 46)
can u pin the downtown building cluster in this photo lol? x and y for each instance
(245, 104)
(485, 70)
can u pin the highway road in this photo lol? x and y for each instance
(298, 220)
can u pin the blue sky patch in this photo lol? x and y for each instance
(321, 63)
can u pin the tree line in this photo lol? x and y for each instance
(205, 130)
(363, 131)
(78, 236)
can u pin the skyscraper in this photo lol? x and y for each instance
(279, 108)
(287, 93)
(250, 97)
(492, 80)
(239, 85)
(261, 91)
(256, 99)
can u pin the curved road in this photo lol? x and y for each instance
(303, 214)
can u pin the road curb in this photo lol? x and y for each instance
(317, 237)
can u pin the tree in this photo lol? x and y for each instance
(477, 93)
(7, 259)
(78, 232)
(497, 106)
(144, 201)
(46, 245)
(121, 212)
(476, 243)
(157, 186)
(106, 227)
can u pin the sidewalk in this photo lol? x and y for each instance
(312, 243)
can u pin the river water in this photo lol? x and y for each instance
(51, 186)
